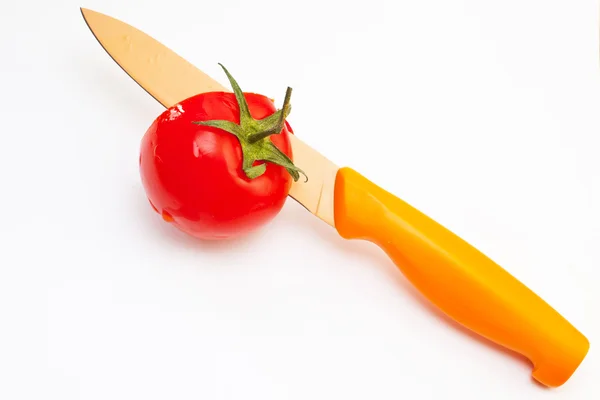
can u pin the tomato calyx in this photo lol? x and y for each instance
(253, 135)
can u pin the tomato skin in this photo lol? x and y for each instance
(193, 176)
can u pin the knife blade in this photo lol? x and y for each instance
(452, 274)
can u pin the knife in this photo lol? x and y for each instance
(461, 281)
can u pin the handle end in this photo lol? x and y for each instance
(554, 372)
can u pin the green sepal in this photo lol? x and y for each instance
(227, 126)
(254, 135)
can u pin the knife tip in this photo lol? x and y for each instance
(87, 11)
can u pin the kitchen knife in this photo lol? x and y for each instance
(453, 275)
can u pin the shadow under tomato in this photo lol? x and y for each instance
(171, 235)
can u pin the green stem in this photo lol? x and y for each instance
(276, 129)
(253, 135)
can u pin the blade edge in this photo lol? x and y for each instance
(83, 14)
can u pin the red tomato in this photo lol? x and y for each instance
(219, 165)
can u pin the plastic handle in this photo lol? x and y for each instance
(460, 280)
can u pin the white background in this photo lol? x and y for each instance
(483, 114)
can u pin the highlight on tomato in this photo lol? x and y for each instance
(219, 165)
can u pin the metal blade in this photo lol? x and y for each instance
(169, 78)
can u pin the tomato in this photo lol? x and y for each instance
(219, 165)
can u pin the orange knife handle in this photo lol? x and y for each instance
(460, 280)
